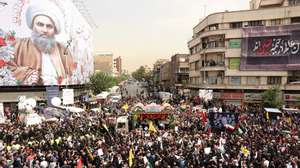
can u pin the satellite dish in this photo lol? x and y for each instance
(55, 101)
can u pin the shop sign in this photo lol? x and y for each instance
(235, 43)
(68, 96)
(250, 97)
(216, 95)
(233, 96)
(291, 97)
(234, 63)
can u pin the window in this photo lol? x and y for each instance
(273, 80)
(182, 59)
(275, 22)
(295, 20)
(212, 79)
(183, 70)
(294, 77)
(236, 25)
(235, 80)
(294, 2)
(255, 23)
(192, 66)
(213, 27)
(252, 80)
(197, 66)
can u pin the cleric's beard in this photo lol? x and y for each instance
(44, 44)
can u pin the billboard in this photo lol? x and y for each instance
(44, 42)
(271, 48)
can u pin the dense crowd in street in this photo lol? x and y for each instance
(189, 141)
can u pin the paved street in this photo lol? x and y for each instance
(133, 89)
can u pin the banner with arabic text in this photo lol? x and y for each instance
(271, 48)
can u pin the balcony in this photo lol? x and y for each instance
(265, 3)
(213, 66)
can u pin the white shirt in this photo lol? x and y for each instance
(49, 74)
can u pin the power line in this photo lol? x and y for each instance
(80, 5)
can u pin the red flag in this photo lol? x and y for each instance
(79, 163)
(204, 117)
(229, 127)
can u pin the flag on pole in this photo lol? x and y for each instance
(229, 127)
(267, 116)
(203, 117)
(125, 107)
(245, 151)
(89, 153)
(105, 127)
(151, 127)
(130, 157)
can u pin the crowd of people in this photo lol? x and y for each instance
(189, 140)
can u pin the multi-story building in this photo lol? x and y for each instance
(165, 76)
(156, 71)
(239, 54)
(118, 66)
(103, 62)
(179, 71)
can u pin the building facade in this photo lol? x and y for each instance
(165, 76)
(103, 62)
(179, 71)
(118, 66)
(156, 71)
(240, 54)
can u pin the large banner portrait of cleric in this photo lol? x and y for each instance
(44, 42)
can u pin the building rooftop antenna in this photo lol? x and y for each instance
(80, 5)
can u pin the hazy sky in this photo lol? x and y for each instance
(142, 31)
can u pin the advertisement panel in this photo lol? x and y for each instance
(252, 97)
(291, 97)
(2, 117)
(232, 96)
(271, 48)
(234, 63)
(235, 43)
(68, 96)
(52, 91)
(44, 42)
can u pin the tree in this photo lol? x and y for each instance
(272, 97)
(100, 82)
(121, 78)
(139, 74)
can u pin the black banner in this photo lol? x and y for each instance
(271, 48)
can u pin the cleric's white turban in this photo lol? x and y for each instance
(46, 8)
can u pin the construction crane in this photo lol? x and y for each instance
(80, 5)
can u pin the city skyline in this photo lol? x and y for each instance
(143, 31)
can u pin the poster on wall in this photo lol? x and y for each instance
(2, 117)
(271, 48)
(68, 96)
(44, 42)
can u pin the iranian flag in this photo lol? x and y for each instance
(229, 127)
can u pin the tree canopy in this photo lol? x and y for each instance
(272, 97)
(101, 82)
(142, 75)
